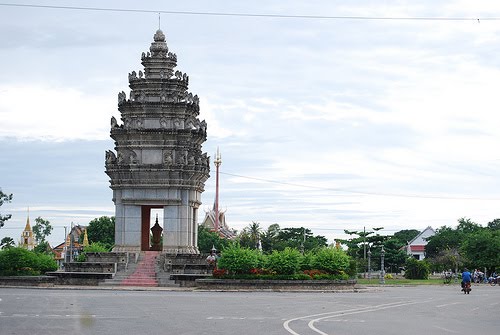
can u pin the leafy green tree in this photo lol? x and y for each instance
(447, 259)
(3, 199)
(405, 236)
(7, 242)
(494, 225)
(208, 239)
(482, 249)
(41, 229)
(102, 230)
(467, 226)
(446, 238)
(43, 248)
(299, 238)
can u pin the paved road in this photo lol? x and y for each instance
(390, 310)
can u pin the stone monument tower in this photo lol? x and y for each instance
(159, 163)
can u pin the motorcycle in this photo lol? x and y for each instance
(467, 288)
(493, 280)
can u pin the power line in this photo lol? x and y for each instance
(399, 195)
(256, 15)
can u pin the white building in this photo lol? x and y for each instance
(416, 247)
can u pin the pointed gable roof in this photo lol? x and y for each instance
(421, 239)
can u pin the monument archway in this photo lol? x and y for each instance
(147, 235)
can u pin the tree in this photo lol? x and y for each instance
(102, 230)
(494, 225)
(406, 235)
(446, 238)
(299, 238)
(467, 226)
(4, 198)
(482, 249)
(444, 249)
(250, 236)
(395, 254)
(7, 242)
(209, 239)
(43, 248)
(447, 259)
(270, 238)
(255, 233)
(358, 246)
(41, 229)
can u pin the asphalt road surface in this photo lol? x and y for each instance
(421, 310)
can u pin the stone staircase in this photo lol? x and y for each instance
(153, 269)
(145, 271)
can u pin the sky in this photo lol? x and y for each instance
(329, 115)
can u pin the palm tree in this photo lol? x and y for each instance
(255, 232)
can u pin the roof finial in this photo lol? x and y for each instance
(159, 20)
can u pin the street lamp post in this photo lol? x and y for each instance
(369, 264)
(382, 271)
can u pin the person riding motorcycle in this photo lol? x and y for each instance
(466, 278)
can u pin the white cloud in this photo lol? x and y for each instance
(53, 113)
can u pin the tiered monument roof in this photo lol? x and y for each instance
(159, 141)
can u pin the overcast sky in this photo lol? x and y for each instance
(329, 123)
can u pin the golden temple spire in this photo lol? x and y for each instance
(28, 226)
(85, 239)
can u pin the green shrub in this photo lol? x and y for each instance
(331, 260)
(93, 247)
(352, 271)
(45, 263)
(21, 262)
(306, 261)
(286, 262)
(416, 269)
(97, 247)
(239, 260)
(81, 257)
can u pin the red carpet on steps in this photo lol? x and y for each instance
(144, 274)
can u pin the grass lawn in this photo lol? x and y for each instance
(404, 281)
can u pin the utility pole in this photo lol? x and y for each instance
(217, 162)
